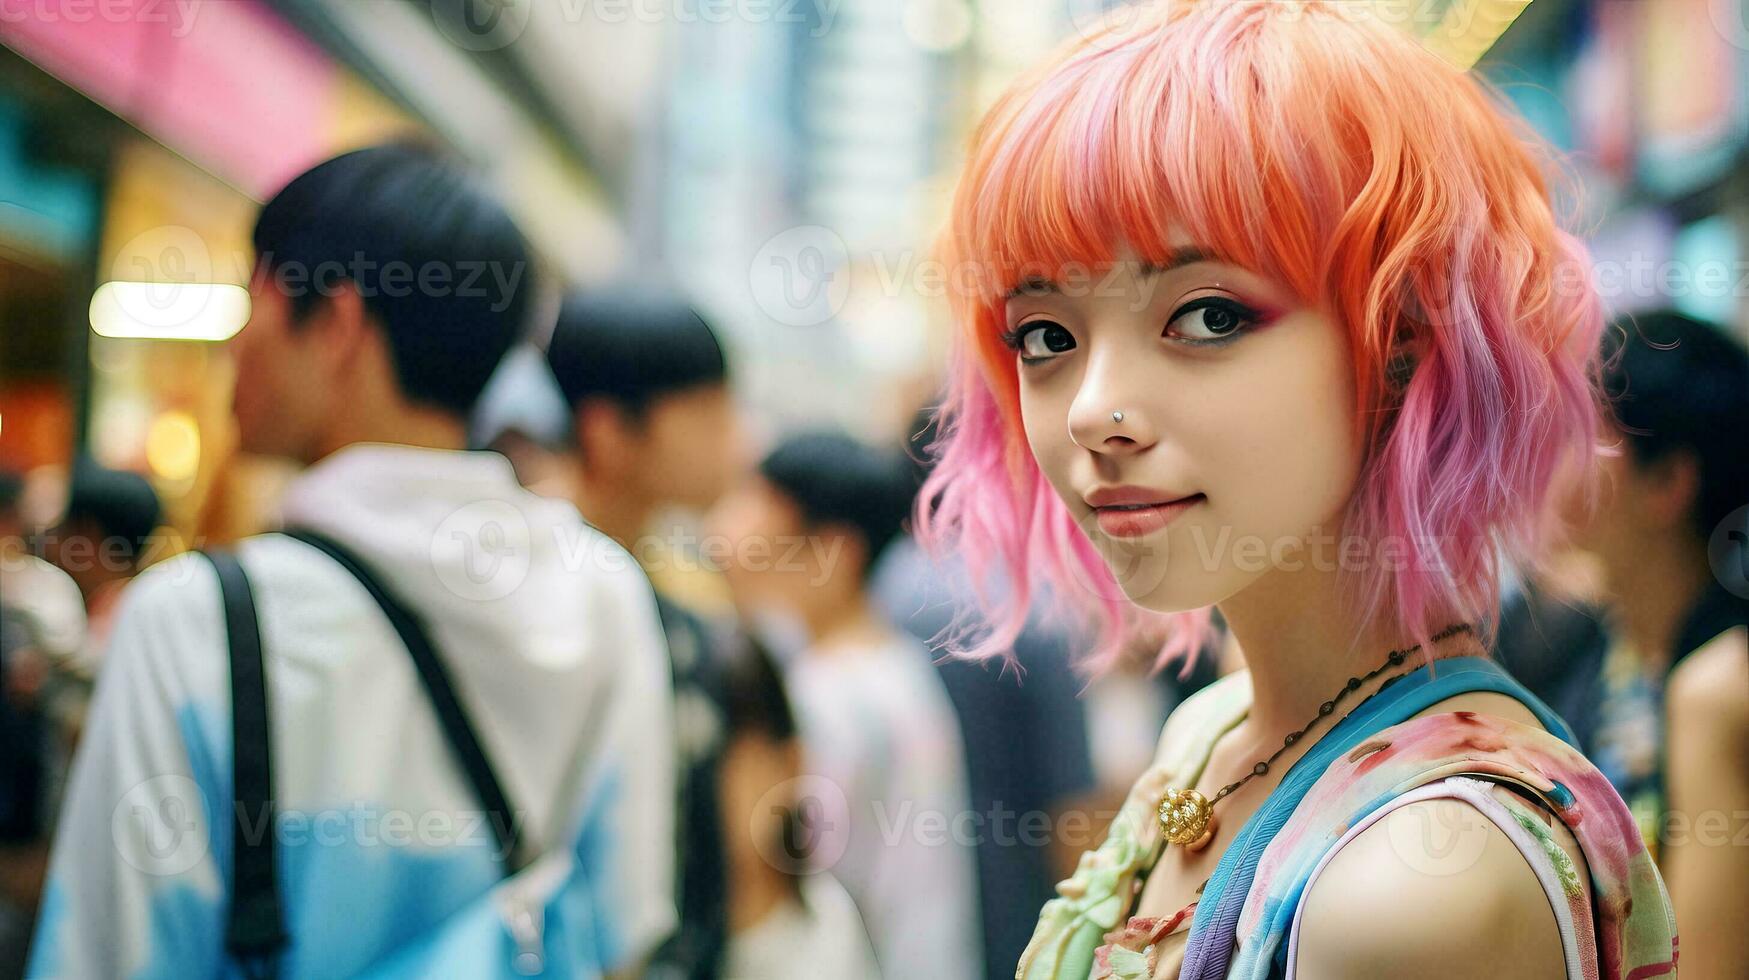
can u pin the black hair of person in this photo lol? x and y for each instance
(122, 506)
(631, 347)
(1681, 384)
(754, 700)
(756, 705)
(437, 261)
(834, 479)
(11, 488)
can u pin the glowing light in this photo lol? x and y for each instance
(173, 446)
(169, 310)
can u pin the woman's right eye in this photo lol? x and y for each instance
(1040, 340)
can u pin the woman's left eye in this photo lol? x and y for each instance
(1210, 320)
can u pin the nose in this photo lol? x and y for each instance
(1109, 415)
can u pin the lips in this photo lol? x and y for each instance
(1131, 512)
(1129, 495)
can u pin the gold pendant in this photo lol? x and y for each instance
(1184, 817)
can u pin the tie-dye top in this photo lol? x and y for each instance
(1377, 759)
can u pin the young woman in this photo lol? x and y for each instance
(1263, 307)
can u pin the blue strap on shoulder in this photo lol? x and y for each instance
(1217, 912)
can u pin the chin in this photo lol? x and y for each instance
(1160, 590)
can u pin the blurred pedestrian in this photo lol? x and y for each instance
(890, 805)
(449, 700)
(787, 920)
(24, 756)
(1553, 638)
(11, 521)
(656, 431)
(42, 627)
(522, 416)
(45, 596)
(104, 538)
(105, 535)
(1025, 730)
(1669, 711)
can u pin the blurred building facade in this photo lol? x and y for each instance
(786, 162)
(137, 138)
(1650, 104)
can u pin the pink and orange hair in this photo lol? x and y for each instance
(1337, 156)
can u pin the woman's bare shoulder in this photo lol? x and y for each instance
(1434, 885)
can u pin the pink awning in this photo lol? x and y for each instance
(227, 83)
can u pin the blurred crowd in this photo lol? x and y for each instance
(706, 679)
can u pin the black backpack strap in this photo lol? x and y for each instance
(255, 924)
(450, 716)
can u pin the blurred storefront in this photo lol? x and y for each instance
(136, 140)
(1662, 188)
(49, 223)
(788, 165)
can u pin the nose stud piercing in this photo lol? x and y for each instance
(1117, 416)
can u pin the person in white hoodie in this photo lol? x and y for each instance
(387, 288)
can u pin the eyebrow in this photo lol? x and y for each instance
(1175, 259)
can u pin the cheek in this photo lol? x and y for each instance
(1275, 438)
(677, 440)
(755, 522)
(731, 518)
(1044, 415)
(273, 365)
(712, 444)
(1573, 481)
(263, 338)
(246, 359)
(254, 393)
(1617, 498)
